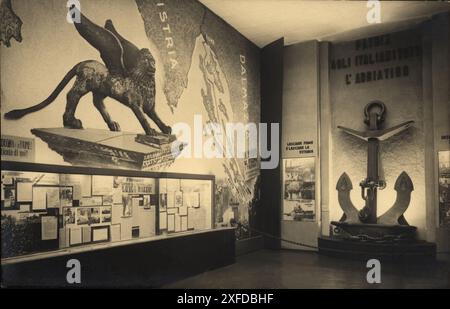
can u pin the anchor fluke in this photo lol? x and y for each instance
(404, 183)
(404, 187)
(344, 183)
(344, 186)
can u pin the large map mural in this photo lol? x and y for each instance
(203, 68)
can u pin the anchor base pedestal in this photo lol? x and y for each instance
(376, 232)
(360, 250)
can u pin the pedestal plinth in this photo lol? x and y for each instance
(103, 148)
(387, 251)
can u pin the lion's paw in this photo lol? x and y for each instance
(114, 126)
(72, 123)
(166, 130)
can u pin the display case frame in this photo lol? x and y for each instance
(82, 170)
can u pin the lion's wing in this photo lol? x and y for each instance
(130, 51)
(106, 42)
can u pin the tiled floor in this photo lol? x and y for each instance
(292, 269)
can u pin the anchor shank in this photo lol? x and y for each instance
(372, 177)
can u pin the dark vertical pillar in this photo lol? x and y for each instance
(271, 112)
(372, 175)
(157, 223)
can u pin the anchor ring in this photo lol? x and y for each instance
(368, 108)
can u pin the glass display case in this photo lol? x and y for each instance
(46, 207)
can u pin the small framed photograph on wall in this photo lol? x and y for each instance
(298, 189)
(444, 188)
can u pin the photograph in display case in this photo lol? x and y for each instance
(100, 233)
(102, 185)
(49, 227)
(91, 201)
(86, 185)
(25, 207)
(163, 220)
(8, 197)
(75, 236)
(178, 198)
(66, 196)
(183, 211)
(191, 199)
(69, 215)
(170, 199)
(153, 199)
(444, 188)
(146, 201)
(83, 214)
(299, 189)
(47, 179)
(135, 232)
(170, 222)
(127, 206)
(162, 200)
(115, 232)
(94, 215)
(195, 199)
(108, 199)
(137, 201)
(86, 234)
(24, 191)
(53, 197)
(106, 214)
(39, 198)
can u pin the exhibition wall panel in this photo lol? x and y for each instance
(300, 198)
(408, 72)
(438, 165)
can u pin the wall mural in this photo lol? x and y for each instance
(166, 62)
(10, 24)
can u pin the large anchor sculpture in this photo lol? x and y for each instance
(365, 221)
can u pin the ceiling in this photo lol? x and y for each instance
(263, 21)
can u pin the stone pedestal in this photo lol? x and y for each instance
(384, 251)
(103, 148)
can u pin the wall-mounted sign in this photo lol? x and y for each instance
(300, 148)
(377, 58)
(16, 148)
